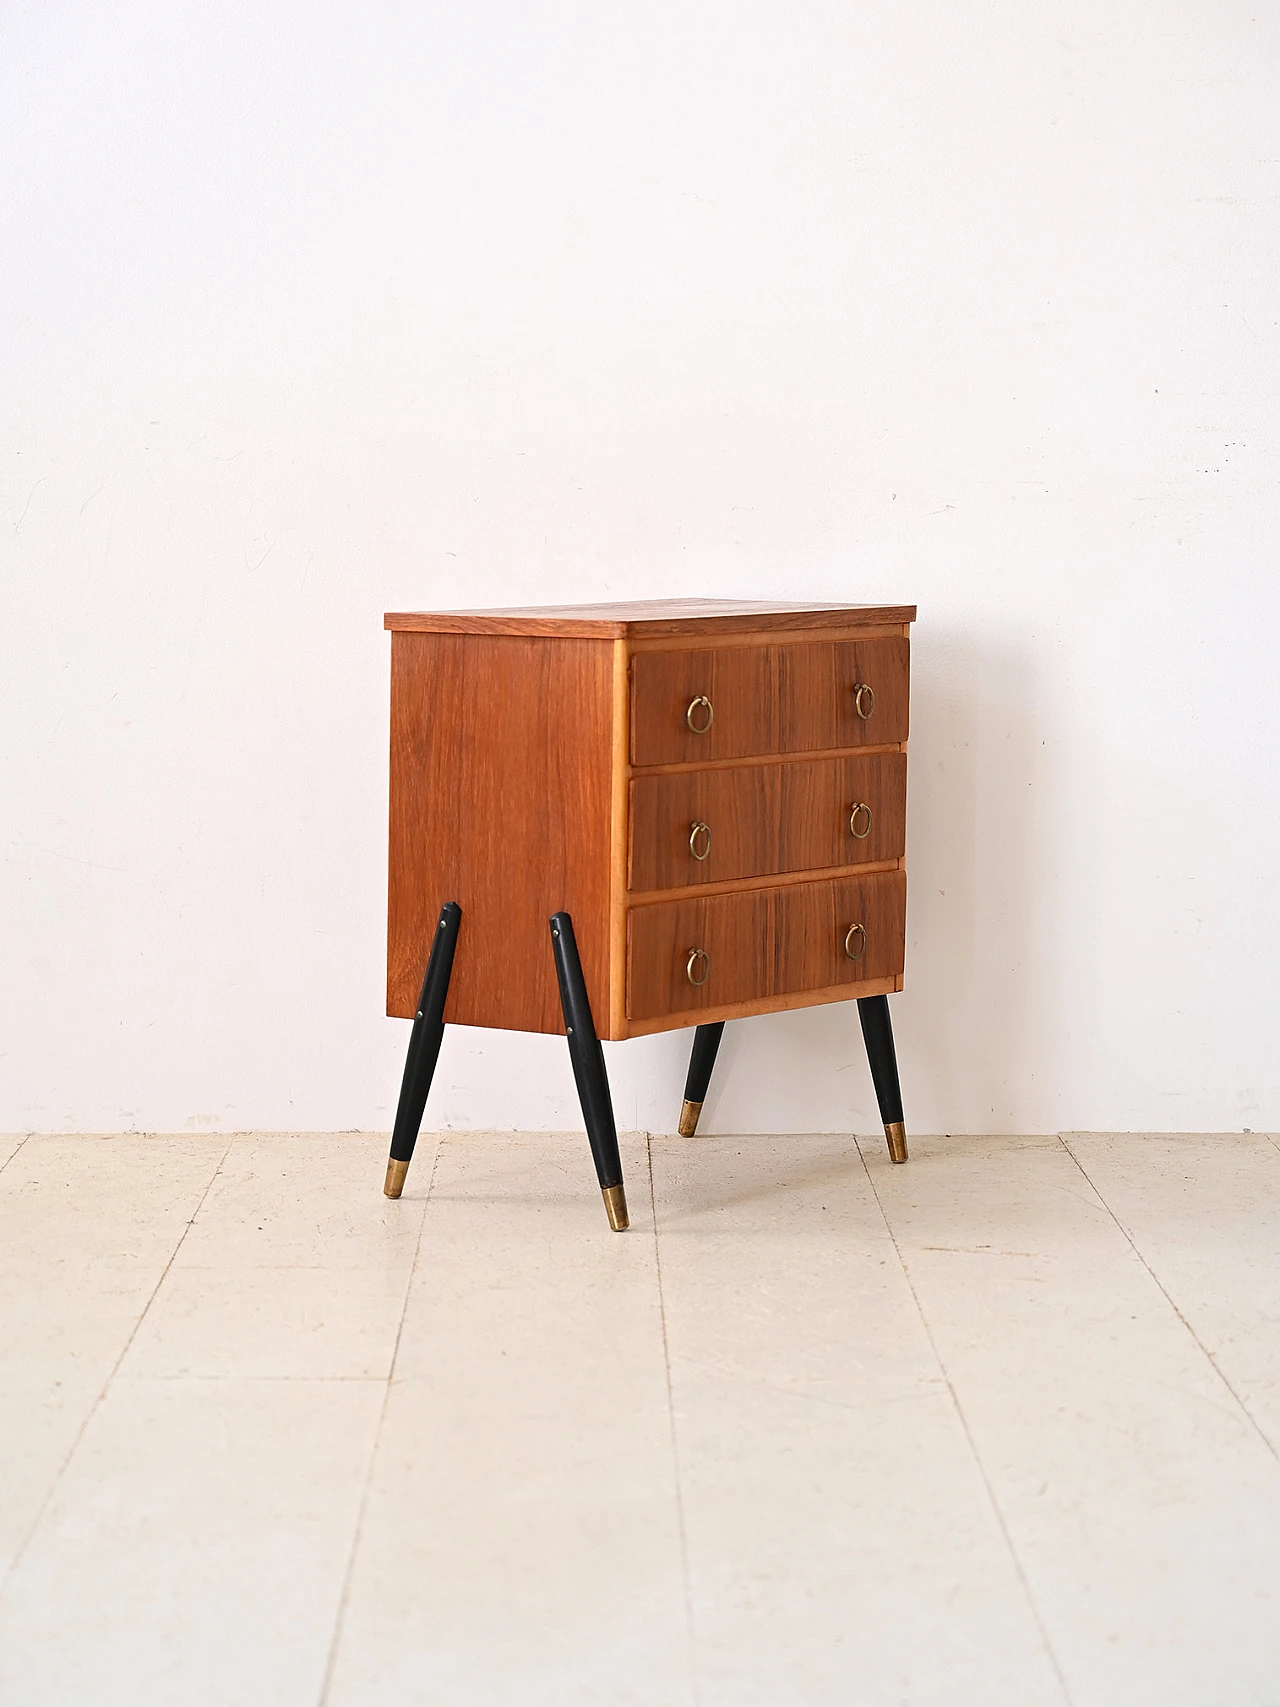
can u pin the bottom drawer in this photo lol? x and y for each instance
(709, 952)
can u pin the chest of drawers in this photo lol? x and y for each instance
(646, 816)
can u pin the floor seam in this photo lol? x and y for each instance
(675, 1443)
(1168, 1298)
(19, 1147)
(348, 1574)
(968, 1434)
(114, 1371)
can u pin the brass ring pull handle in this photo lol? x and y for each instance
(860, 809)
(700, 835)
(696, 955)
(705, 715)
(858, 932)
(864, 700)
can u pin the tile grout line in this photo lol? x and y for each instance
(968, 1434)
(18, 1148)
(114, 1371)
(1165, 1294)
(348, 1575)
(675, 1443)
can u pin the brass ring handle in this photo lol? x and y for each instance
(854, 831)
(699, 728)
(860, 932)
(696, 955)
(700, 831)
(864, 700)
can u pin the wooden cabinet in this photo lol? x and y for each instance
(557, 760)
(713, 792)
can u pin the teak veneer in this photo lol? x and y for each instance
(611, 820)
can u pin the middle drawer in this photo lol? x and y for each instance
(690, 827)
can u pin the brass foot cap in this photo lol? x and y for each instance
(615, 1202)
(689, 1118)
(396, 1172)
(896, 1133)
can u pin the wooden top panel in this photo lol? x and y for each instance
(649, 618)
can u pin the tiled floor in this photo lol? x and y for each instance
(1001, 1426)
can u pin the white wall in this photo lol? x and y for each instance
(313, 311)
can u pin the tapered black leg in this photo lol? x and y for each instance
(877, 1034)
(706, 1040)
(589, 1071)
(424, 1048)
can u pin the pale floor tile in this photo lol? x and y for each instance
(10, 1144)
(1142, 1503)
(308, 1200)
(842, 1545)
(43, 1407)
(296, 1265)
(194, 1551)
(1204, 1214)
(521, 1542)
(273, 1322)
(87, 1227)
(70, 1200)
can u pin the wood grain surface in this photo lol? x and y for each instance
(764, 1005)
(648, 618)
(768, 699)
(739, 885)
(811, 921)
(764, 759)
(501, 773)
(666, 637)
(614, 1023)
(816, 692)
(763, 944)
(766, 819)
(734, 930)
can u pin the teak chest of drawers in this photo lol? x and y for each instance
(705, 801)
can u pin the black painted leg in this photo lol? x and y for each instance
(877, 1034)
(706, 1041)
(424, 1048)
(589, 1071)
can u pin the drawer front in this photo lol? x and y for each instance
(767, 942)
(738, 702)
(689, 827)
(842, 932)
(732, 931)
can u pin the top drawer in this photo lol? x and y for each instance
(737, 702)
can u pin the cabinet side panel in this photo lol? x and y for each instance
(500, 800)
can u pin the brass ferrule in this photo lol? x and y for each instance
(615, 1202)
(896, 1133)
(396, 1172)
(689, 1118)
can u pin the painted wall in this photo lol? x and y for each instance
(315, 311)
